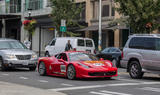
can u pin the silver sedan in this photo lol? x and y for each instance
(14, 54)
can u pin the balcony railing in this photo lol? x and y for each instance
(6, 9)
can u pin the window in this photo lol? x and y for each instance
(142, 43)
(53, 42)
(113, 11)
(105, 11)
(149, 43)
(136, 42)
(89, 43)
(80, 42)
(157, 44)
(62, 56)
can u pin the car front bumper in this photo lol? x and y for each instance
(20, 63)
(94, 73)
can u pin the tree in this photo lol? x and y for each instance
(67, 10)
(143, 14)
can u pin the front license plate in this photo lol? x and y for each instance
(25, 63)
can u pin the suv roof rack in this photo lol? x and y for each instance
(151, 35)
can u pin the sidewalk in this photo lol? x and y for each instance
(14, 89)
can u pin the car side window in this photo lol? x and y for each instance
(89, 43)
(53, 42)
(157, 44)
(62, 56)
(80, 42)
(149, 43)
(137, 43)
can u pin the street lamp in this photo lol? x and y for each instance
(29, 14)
(100, 26)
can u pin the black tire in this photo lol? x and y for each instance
(71, 72)
(47, 54)
(3, 68)
(32, 68)
(42, 69)
(135, 70)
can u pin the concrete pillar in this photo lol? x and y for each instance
(117, 38)
(4, 28)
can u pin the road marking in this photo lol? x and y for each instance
(43, 81)
(66, 84)
(25, 78)
(151, 89)
(99, 93)
(104, 92)
(106, 85)
(5, 74)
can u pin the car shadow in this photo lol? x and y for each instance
(151, 78)
(17, 70)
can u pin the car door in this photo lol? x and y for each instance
(89, 46)
(60, 66)
(80, 45)
(156, 55)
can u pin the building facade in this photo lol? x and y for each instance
(14, 12)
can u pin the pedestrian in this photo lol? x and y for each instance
(68, 46)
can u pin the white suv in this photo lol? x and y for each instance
(141, 54)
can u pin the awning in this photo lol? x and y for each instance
(104, 27)
(9, 16)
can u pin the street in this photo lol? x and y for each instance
(121, 85)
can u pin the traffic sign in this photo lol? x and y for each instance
(63, 28)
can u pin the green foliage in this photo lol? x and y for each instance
(141, 12)
(67, 10)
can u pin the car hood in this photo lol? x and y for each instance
(96, 64)
(18, 51)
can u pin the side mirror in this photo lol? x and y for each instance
(61, 60)
(101, 59)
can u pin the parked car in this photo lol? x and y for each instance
(141, 54)
(14, 54)
(74, 64)
(111, 53)
(58, 44)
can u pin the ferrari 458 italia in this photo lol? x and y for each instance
(74, 64)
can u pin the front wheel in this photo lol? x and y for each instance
(42, 69)
(135, 70)
(71, 72)
(3, 68)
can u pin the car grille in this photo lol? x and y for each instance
(102, 73)
(23, 57)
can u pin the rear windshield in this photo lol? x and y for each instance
(89, 43)
(80, 42)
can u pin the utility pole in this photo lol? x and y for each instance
(100, 26)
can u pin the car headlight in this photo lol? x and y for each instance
(34, 56)
(109, 64)
(10, 56)
(85, 66)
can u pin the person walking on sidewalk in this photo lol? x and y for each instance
(68, 46)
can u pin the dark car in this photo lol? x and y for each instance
(112, 53)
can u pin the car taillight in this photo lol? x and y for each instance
(122, 54)
(74, 49)
(94, 51)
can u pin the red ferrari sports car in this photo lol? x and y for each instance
(74, 64)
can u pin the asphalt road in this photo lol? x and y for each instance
(121, 85)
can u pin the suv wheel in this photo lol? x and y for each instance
(135, 70)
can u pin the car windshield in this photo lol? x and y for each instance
(79, 56)
(11, 45)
